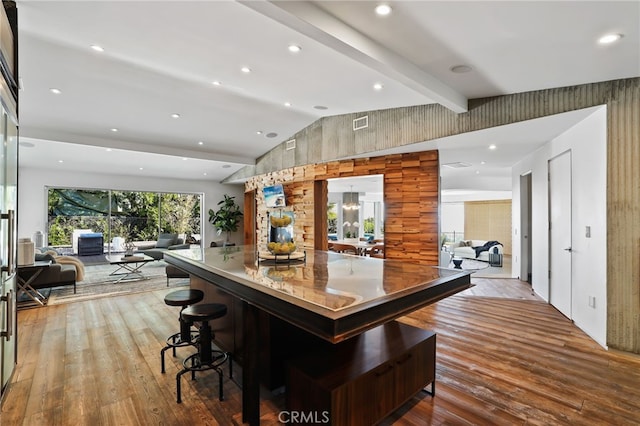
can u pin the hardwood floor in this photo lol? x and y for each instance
(503, 357)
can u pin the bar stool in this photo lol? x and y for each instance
(185, 337)
(205, 358)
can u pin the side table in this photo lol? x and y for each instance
(495, 259)
(24, 285)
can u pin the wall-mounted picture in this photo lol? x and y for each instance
(274, 196)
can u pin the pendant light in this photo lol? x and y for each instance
(351, 205)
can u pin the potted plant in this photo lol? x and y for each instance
(227, 217)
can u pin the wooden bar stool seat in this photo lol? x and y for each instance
(206, 358)
(185, 337)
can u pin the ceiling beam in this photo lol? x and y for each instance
(66, 137)
(308, 19)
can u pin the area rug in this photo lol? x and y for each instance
(99, 283)
(471, 265)
(99, 259)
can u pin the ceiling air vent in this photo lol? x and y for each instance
(361, 123)
(457, 165)
(290, 144)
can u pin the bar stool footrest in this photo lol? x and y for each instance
(217, 359)
(175, 340)
(193, 363)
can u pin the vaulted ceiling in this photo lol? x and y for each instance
(161, 58)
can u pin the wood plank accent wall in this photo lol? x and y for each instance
(328, 139)
(410, 196)
(488, 220)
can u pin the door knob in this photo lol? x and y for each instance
(568, 249)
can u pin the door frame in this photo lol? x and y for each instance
(526, 234)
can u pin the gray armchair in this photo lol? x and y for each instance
(165, 242)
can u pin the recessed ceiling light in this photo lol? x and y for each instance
(609, 38)
(184, 158)
(175, 115)
(477, 172)
(492, 146)
(483, 162)
(114, 130)
(216, 83)
(226, 166)
(377, 86)
(97, 48)
(321, 107)
(200, 143)
(141, 168)
(204, 174)
(460, 69)
(287, 104)
(383, 9)
(294, 48)
(55, 91)
(259, 132)
(60, 161)
(109, 150)
(245, 70)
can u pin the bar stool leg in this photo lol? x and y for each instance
(185, 338)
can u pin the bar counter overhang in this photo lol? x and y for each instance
(333, 296)
(330, 295)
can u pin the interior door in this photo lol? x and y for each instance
(560, 233)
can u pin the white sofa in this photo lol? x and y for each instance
(468, 252)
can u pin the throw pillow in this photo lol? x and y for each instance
(466, 243)
(164, 242)
(45, 256)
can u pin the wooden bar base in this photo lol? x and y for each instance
(362, 380)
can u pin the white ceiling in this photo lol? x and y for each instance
(161, 57)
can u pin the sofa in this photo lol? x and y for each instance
(59, 273)
(165, 242)
(475, 249)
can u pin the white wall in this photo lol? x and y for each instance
(32, 196)
(587, 141)
(452, 217)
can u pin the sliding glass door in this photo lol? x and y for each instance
(121, 216)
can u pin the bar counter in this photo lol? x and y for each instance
(330, 295)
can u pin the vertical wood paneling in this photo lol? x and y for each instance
(623, 216)
(405, 126)
(249, 217)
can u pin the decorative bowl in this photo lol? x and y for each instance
(280, 222)
(281, 248)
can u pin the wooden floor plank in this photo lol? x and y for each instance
(504, 357)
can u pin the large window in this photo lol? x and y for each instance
(129, 215)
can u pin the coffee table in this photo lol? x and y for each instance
(129, 267)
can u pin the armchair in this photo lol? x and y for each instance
(165, 242)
